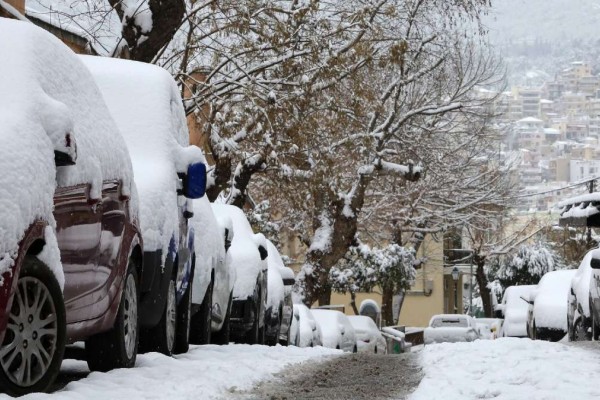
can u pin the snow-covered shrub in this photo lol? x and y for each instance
(527, 265)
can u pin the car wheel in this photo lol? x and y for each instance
(161, 338)
(595, 330)
(286, 342)
(184, 313)
(355, 349)
(223, 336)
(375, 350)
(34, 341)
(272, 341)
(254, 335)
(202, 320)
(118, 347)
(580, 331)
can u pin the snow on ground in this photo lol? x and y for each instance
(508, 368)
(205, 372)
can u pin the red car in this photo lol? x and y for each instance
(68, 216)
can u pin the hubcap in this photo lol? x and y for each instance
(171, 316)
(130, 324)
(30, 339)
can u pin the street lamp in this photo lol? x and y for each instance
(455, 274)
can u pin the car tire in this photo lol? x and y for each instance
(202, 320)
(375, 351)
(580, 331)
(223, 336)
(184, 314)
(118, 347)
(161, 338)
(272, 341)
(595, 329)
(355, 349)
(286, 342)
(35, 280)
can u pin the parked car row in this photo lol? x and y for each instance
(334, 329)
(106, 236)
(560, 304)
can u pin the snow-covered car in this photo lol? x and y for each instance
(279, 300)
(214, 275)
(547, 313)
(304, 330)
(285, 330)
(514, 308)
(249, 258)
(336, 330)
(368, 336)
(147, 106)
(595, 294)
(579, 319)
(450, 328)
(69, 243)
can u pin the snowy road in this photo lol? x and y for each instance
(205, 372)
(510, 369)
(503, 369)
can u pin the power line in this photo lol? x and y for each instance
(555, 190)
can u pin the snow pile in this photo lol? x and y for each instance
(275, 293)
(550, 300)
(244, 251)
(515, 309)
(508, 368)
(209, 245)
(146, 104)
(205, 372)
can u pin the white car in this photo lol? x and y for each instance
(547, 313)
(368, 336)
(514, 310)
(147, 106)
(213, 277)
(285, 330)
(579, 318)
(336, 330)
(249, 258)
(304, 330)
(279, 298)
(450, 328)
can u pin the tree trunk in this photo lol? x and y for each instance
(482, 282)
(387, 305)
(166, 19)
(341, 232)
(353, 303)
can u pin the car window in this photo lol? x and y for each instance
(450, 323)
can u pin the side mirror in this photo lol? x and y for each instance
(67, 154)
(595, 263)
(227, 239)
(498, 314)
(263, 252)
(194, 181)
(289, 281)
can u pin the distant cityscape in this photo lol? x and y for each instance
(553, 132)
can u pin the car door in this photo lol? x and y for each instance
(111, 261)
(78, 227)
